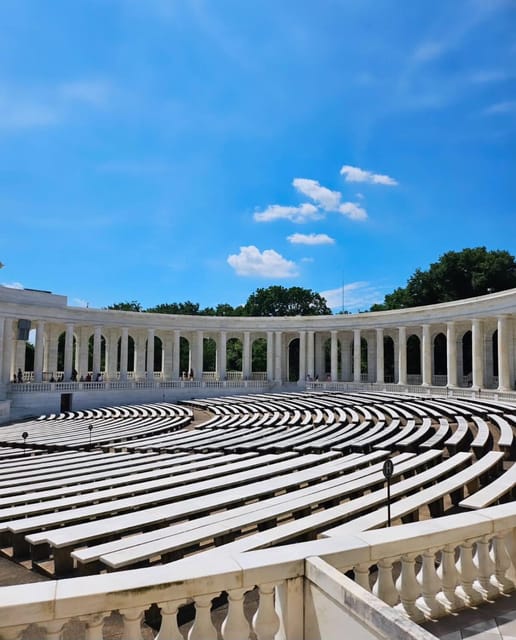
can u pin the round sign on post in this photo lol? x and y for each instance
(388, 468)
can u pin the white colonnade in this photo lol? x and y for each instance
(465, 343)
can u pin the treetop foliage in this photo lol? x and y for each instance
(273, 301)
(455, 276)
(279, 301)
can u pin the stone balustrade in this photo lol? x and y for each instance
(409, 573)
(432, 568)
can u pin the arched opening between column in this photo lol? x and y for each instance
(209, 358)
(234, 351)
(259, 359)
(388, 359)
(467, 360)
(184, 357)
(293, 360)
(413, 359)
(440, 371)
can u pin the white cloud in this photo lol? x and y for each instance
(358, 296)
(45, 106)
(501, 108)
(302, 213)
(13, 285)
(267, 264)
(325, 198)
(310, 238)
(353, 211)
(355, 174)
(429, 51)
(19, 113)
(94, 92)
(488, 76)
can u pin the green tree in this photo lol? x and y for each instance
(279, 301)
(126, 306)
(455, 276)
(187, 308)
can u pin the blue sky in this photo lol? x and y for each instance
(172, 150)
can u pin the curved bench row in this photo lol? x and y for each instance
(264, 469)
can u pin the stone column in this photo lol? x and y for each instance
(97, 339)
(222, 355)
(302, 356)
(124, 353)
(277, 356)
(310, 368)
(334, 366)
(426, 368)
(176, 352)
(150, 355)
(451, 354)
(19, 355)
(111, 353)
(371, 358)
(199, 352)
(357, 356)
(38, 351)
(477, 340)
(7, 349)
(166, 356)
(68, 355)
(320, 357)
(2, 323)
(402, 355)
(83, 337)
(52, 347)
(345, 357)
(504, 370)
(246, 356)
(380, 360)
(270, 356)
(139, 356)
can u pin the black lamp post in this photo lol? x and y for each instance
(90, 428)
(25, 435)
(388, 469)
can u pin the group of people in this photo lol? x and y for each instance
(18, 377)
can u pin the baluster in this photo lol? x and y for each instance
(485, 570)
(409, 589)
(467, 573)
(203, 628)
(362, 576)
(168, 629)
(449, 576)
(95, 626)
(430, 585)
(53, 629)
(384, 587)
(265, 620)
(503, 562)
(132, 623)
(235, 625)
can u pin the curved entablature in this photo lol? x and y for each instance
(464, 343)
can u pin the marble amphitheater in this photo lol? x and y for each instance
(156, 495)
